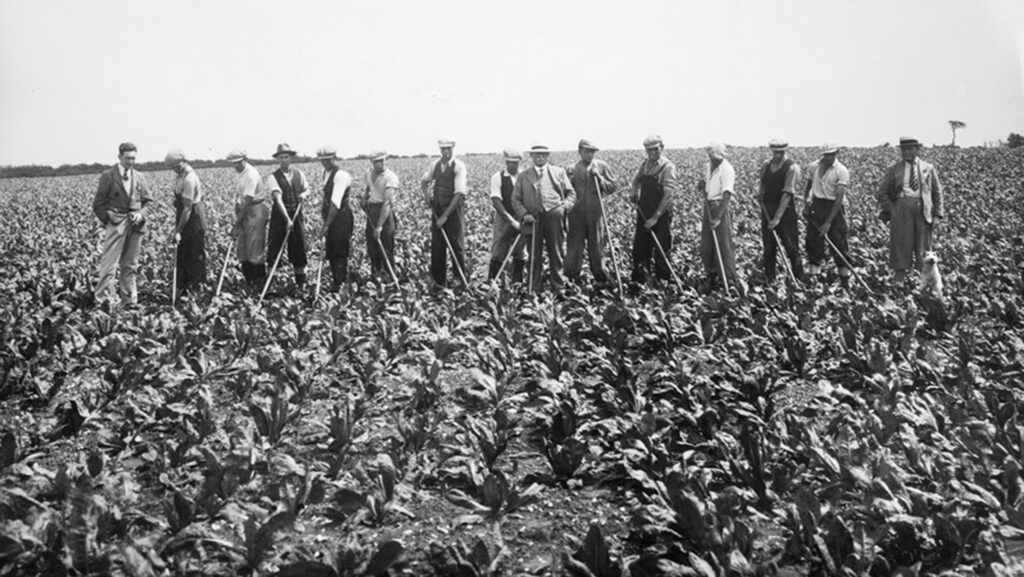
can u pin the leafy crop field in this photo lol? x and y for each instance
(382, 431)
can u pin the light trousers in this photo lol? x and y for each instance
(120, 258)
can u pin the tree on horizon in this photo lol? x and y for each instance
(955, 125)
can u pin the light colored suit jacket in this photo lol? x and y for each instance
(526, 194)
(931, 189)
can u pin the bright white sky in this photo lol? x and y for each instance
(78, 77)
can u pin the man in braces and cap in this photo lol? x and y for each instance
(585, 228)
(506, 226)
(779, 176)
(540, 199)
(251, 214)
(827, 183)
(377, 198)
(653, 188)
(447, 211)
(289, 189)
(910, 196)
(189, 229)
(336, 211)
(719, 186)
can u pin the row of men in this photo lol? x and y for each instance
(532, 208)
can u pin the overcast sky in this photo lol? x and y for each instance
(77, 78)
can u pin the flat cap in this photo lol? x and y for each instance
(237, 155)
(652, 141)
(175, 155)
(511, 155)
(326, 153)
(378, 155)
(830, 147)
(716, 150)
(586, 144)
(776, 144)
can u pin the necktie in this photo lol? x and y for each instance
(913, 176)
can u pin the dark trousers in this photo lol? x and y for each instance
(191, 263)
(910, 235)
(296, 242)
(788, 236)
(708, 247)
(387, 240)
(815, 243)
(338, 242)
(547, 235)
(507, 239)
(254, 272)
(585, 229)
(645, 252)
(455, 228)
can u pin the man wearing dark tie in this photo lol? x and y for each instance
(910, 196)
(120, 205)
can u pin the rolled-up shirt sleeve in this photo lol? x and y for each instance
(669, 183)
(460, 177)
(342, 182)
(842, 176)
(428, 176)
(728, 179)
(496, 185)
(792, 177)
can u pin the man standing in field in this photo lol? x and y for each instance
(251, 214)
(507, 235)
(827, 183)
(590, 177)
(910, 196)
(716, 251)
(540, 199)
(377, 199)
(652, 191)
(779, 176)
(288, 188)
(338, 220)
(190, 223)
(447, 214)
(120, 205)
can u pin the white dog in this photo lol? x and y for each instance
(931, 278)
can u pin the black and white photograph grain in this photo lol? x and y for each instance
(520, 288)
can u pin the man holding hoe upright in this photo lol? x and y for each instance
(251, 214)
(590, 177)
(653, 188)
(779, 176)
(447, 213)
(381, 185)
(190, 223)
(338, 220)
(507, 236)
(288, 189)
(542, 195)
(827, 183)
